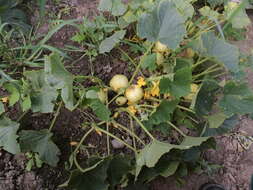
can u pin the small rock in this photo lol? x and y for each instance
(116, 144)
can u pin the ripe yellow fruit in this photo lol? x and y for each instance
(134, 93)
(118, 82)
(121, 100)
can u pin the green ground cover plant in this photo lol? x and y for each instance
(187, 86)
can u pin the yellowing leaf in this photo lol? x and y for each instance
(4, 99)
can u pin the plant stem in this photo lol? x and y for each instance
(141, 125)
(139, 65)
(55, 117)
(83, 138)
(108, 139)
(209, 70)
(114, 98)
(132, 130)
(129, 131)
(176, 128)
(199, 63)
(21, 116)
(186, 109)
(118, 139)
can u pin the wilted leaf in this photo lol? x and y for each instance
(40, 142)
(209, 45)
(164, 24)
(109, 43)
(8, 135)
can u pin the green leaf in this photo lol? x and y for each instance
(2, 109)
(119, 167)
(152, 152)
(160, 25)
(233, 104)
(116, 7)
(149, 62)
(40, 142)
(206, 97)
(238, 17)
(208, 12)
(14, 93)
(8, 135)
(109, 43)
(185, 8)
(180, 86)
(238, 99)
(170, 169)
(100, 109)
(94, 179)
(41, 101)
(227, 126)
(216, 120)
(59, 78)
(26, 103)
(209, 45)
(163, 112)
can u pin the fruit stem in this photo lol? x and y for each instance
(176, 128)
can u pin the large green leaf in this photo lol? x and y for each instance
(43, 96)
(152, 152)
(8, 135)
(94, 179)
(206, 97)
(209, 45)
(238, 99)
(164, 24)
(59, 78)
(119, 167)
(108, 44)
(237, 17)
(163, 112)
(227, 126)
(180, 86)
(185, 8)
(41, 143)
(116, 7)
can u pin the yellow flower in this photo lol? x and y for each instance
(141, 82)
(168, 95)
(132, 109)
(155, 91)
(194, 88)
(4, 99)
(147, 95)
